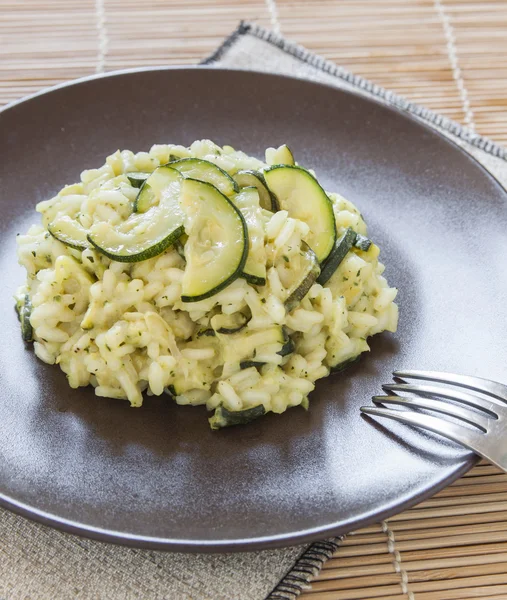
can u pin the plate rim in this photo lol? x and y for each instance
(336, 528)
(210, 67)
(238, 545)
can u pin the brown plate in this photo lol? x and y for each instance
(157, 477)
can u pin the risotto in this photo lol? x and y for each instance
(204, 274)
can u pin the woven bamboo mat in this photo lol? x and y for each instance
(451, 547)
(450, 55)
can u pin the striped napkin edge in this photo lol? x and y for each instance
(389, 97)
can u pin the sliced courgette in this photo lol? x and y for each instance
(70, 232)
(24, 310)
(179, 245)
(256, 179)
(362, 242)
(280, 156)
(144, 234)
(247, 364)
(217, 245)
(227, 418)
(206, 331)
(229, 323)
(203, 170)
(254, 270)
(344, 364)
(289, 346)
(163, 182)
(302, 196)
(339, 252)
(307, 270)
(170, 391)
(137, 178)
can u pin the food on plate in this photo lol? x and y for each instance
(204, 274)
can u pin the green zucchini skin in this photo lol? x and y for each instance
(302, 196)
(208, 332)
(246, 364)
(137, 178)
(69, 232)
(226, 418)
(207, 172)
(289, 346)
(267, 199)
(253, 279)
(362, 242)
(24, 310)
(145, 197)
(150, 252)
(248, 202)
(242, 259)
(339, 252)
(309, 277)
(180, 247)
(170, 390)
(156, 223)
(150, 189)
(282, 156)
(229, 324)
(285, 156)
(343, 365)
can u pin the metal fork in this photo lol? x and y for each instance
(488, 438)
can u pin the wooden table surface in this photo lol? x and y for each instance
(450, 55)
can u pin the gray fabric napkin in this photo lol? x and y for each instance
(39, 563)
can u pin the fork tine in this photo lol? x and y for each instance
(433, 390)
(444, 408)
(466, 437)
(493, 388)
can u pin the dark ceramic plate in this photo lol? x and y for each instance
(158, 477)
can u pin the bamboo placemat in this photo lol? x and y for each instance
(451, 547)
(449, 55)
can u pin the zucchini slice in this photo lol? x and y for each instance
(289, 346)
(137, 178)
(229, 323)
(70, 232)
(309, 271)
(217, 245)
(344, 364)
(362, 242)
(247, 364)
(256, 179)
(24, 310)
(170, 390)
(280, 156)
(163, 182)
(339, 252)
(227, 418)
(206, 331)
(254, 270)
(203, 170)
(144, 234)
(302, 196)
